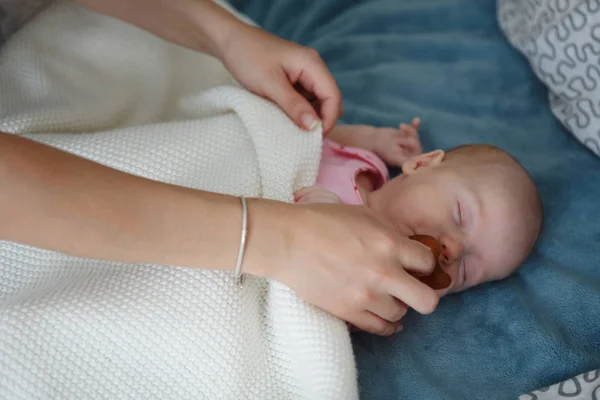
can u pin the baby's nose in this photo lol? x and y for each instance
(451, 250)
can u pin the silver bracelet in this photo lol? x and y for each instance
(239, 277)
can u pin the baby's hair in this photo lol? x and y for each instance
(486, 153)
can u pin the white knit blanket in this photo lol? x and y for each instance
(83, 329)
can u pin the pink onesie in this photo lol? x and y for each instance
(340, 165)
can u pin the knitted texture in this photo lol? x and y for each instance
(73, 328)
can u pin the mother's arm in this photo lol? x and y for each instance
(200, 25)
(58, 201)
(267, 65)
(343, 259)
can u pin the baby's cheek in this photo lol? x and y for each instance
(422, 225)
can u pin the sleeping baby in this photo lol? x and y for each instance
(477, 200)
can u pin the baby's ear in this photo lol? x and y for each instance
(426, 160)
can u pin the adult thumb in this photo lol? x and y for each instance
(293, 103)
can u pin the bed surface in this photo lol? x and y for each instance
(447, 62)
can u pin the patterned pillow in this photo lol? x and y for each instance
(581, 387)
(561, 40)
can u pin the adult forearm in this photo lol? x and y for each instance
(342, 258)
(200, 25)
(55, 200)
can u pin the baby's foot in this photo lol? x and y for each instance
(395, 146)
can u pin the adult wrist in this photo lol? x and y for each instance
(216, 25)
(267, 240)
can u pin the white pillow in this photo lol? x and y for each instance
(561, 40)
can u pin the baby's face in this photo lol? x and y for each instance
(479, 226)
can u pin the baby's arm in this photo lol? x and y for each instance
(393, 145)
(361, 136)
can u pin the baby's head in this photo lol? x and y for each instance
(477, 200)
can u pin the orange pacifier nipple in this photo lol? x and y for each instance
(438, 279)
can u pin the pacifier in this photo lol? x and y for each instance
(438, 279)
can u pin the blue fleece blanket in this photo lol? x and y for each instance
(447, 62)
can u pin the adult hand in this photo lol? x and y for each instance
(280, 70)
(344, 259)
(291, 75)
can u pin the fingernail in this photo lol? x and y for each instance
(309, 121)
(399, 328)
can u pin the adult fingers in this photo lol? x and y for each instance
(415, 256)
(389, 308)
(413, 293)
(293, 103)
(369, 322)
(317, 79)
(314, 101)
